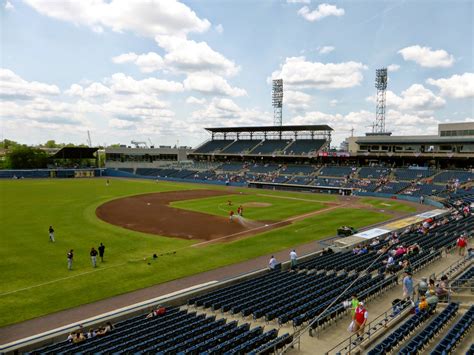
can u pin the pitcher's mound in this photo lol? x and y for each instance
(256, 204)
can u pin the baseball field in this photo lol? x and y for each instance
(186, 225)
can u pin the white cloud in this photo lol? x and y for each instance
(298, 1)
(426, 57)
(125, 85)
(93, 90)
(9, 6)
(190, 56)
(333, 103)
(145, 18)
(416, 98)
(225, 112)
(322, 11)
(213, 84)
(147, 63)
(195, 101)
(121, 124)
(326, 49)
(298, 72)
(12, 86)
(457, 86)
(296, 99)
(393, 67)
(219, 28)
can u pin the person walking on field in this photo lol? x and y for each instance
(93, 255)
(101, 252)
(231, 215)
(51, 234)
(293, 258)
(70, 257)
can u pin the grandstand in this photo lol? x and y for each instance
(265, 312)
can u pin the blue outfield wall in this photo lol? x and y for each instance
(47, 173)
(427, 201)
(124, 174)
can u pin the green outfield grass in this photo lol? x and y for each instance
(389, 205)
(34, 279)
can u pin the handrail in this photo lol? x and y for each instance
(371, 324)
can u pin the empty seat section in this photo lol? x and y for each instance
(413, 174)
(297, 170)
(336, 171)
(448, 175)
(271, 146)
(241, 146)
(213, 146)
(373, 172)
(304, 146)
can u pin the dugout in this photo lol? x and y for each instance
(308, 188)
(76, 158)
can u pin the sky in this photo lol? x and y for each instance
(161, 71)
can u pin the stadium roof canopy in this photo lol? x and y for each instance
(270, 129)
(75, 153)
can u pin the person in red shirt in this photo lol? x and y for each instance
(462, 245)
(158, 312)
(231, 215)
(360, 319)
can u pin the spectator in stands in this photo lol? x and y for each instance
(422, 305)
(442, 290)
(363, 250)
(78, 338)
(293, 259)
(406, 265)
(158, 312)
(462, 244)
(105, 330)
(375, 242)
(93, 253)
(356, 250)
(422, 200)
(101, 251)
(354, 305)
(389, 264)
(272, 263)
(422, 287)
(360, 319)
(51, 234)
(432, 299)
(70, 257)
(70, 337)
(91, 333)
(408, 286)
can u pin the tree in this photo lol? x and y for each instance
(23, 157)
(51, 144)
(8, 144)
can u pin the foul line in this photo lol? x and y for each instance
(269, 226)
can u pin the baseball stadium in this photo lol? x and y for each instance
(263, 238)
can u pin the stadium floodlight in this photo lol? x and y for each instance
(381, 78)
(277, 101)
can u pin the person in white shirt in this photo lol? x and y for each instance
(293, 258)
(272, 263)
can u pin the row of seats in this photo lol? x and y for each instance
(400, 334)
(466, 277)
(455, 334)
(422, 339)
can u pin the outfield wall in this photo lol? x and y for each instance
(427, 201)
(51, 173)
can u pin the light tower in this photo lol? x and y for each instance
(277, 101)
(381, 86)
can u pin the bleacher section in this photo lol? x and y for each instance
(446, 176)
(421, 340)
(329, 182)
(373, 172)
(412, 174)
(423, 189)
(178, 331)
(213, 146)
(455, 334)
(230, 167)
(304, 146)
(297, 170)
(393, 187)
(262, 169)
(241, 146)
(271, 146)
(336, 171)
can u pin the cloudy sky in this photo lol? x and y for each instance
(162, 70)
